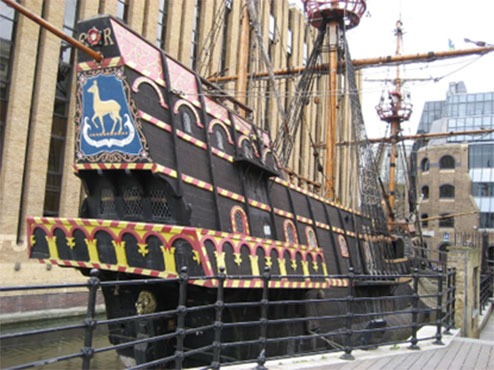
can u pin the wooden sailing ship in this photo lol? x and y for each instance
(177, 176)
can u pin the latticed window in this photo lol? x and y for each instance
(239, 220)
(107, 203)
(311, 237)
(290, 232)
(132, 198)
(159, 204)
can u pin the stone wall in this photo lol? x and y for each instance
(468, 264)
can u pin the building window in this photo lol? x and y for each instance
(238, 219)
(425, 165)
(290, 232)
(60, 115)
(446, 221)
(194, 50)
(311, 237)
(425, 223)
(162, 22)
(123, 10)
(486, 220)
(481, 156)
(483, 189)
(425, 192)
(7, 32)
(447, 162)
(446, 191)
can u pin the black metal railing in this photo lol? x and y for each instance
(361, 328)
(486, 288)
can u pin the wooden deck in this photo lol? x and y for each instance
(461, 353)
(456, 353)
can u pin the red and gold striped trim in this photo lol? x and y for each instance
(191, 139)
(313, 195)
(147, 117)
(196, 182)
(105, 63)
(262, 206)
(222, 155)
(305, 220)
(110, 267)
(230, 194)
(323, 225)
(283, 213)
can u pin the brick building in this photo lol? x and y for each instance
(455, 176)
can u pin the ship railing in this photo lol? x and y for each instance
(368, 321)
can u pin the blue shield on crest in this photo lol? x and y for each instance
(107, 124)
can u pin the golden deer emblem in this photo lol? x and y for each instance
(104, 107)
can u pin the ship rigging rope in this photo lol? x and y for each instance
(283, 143)
(370, 195)
(206, 53)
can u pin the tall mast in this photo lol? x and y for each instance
(394, 110)
(334, 15)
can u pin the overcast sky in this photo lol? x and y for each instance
(428, 25)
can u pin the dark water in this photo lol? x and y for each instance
(32, 348)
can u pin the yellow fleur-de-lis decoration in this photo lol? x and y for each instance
(71, 242)
(143, 249)
(315, 266)
(238, 258)
(294, 264)
(269, 263)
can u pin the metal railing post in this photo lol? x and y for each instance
(182, 311)
(439, 309)
(261, 359)
(415, 303)
(218, 324)
(89, 322)
(448, 303)
(349, 316)
(453, 298)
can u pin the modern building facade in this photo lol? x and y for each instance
(37, 94)
(455, 175)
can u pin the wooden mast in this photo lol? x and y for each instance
(243, 57)
(332, 33)
(395, 128)
(394, 110)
